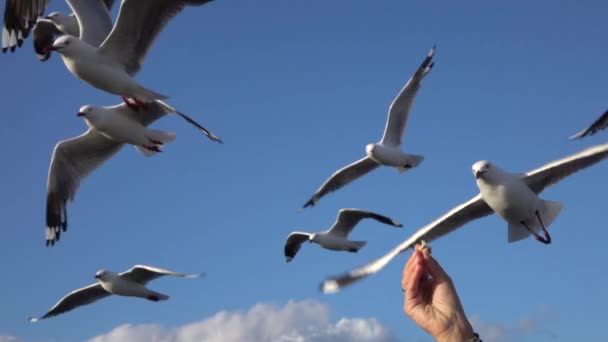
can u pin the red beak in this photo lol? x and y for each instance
(80, 114)
(478, 174)
(48, 49)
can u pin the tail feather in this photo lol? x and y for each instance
(413, 160)
(160, 137)
(355, 246)
(156, 296)
(145, 151)
(548, 213)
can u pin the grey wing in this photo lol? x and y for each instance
(44, 34)
(137, 26)
(19, 18)
(471, 210)
(549, 174)
(293, 243)
(109, 4)
(143, 274)
(400, 108)
(348, 218)
(342, 177)
(94, 20)
(72, 161)
(146, 115)
(600, 124)
(74, 299)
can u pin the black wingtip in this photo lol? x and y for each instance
(311, 203)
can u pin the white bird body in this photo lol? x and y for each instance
(392, 156)
(99, 70)
(117, 285)
(336, 237)
(511, 198)
(131, 283)
(122, 128)
(336, 243)
(388, 151)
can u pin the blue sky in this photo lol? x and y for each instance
(296, 90)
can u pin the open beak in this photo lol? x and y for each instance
(79, 114)
(96, 276)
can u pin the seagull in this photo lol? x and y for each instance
(131, 283)
(514, 197)
(21, 15)
(600, 124)
(388, 151)
(336, 237)
(112, 66)
(109, 129)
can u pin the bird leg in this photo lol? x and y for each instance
(131, 103)
(140, 104)
(152, 148)
(547, 239)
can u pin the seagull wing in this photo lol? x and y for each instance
(143, 274)
(400, 108)
(348, 218)
(342, 177)
(598, 125)
(74, 299)
(549, 174)
(73, 160)
(93, 19)
(293, 243)
(19, 17)
(138, 24)
(471, 210)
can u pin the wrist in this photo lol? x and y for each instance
(462, 331)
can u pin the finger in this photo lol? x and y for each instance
(408, 268)
(412, 289)
(433, 267)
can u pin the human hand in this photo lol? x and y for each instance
(431, 300)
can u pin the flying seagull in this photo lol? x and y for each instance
(21, 15)
(600, 124)
(112, 66)
(131, 283)
(336, 237)
(388, 151)
(514, 197)
(109, 129)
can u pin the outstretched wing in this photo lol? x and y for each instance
(143, 274)
(342, 177)
(551, 173)
(137, 26)
(600, 124)
(400, 108)
(19, 18)
(471, 210)
(348, 218)
(293, 243)
(72, 161)
(74, 299)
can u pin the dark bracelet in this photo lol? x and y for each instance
(475, 338)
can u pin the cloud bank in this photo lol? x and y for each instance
(295, 322)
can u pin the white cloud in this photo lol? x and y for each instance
(295, 322)
(9, 339)
(531, 325)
